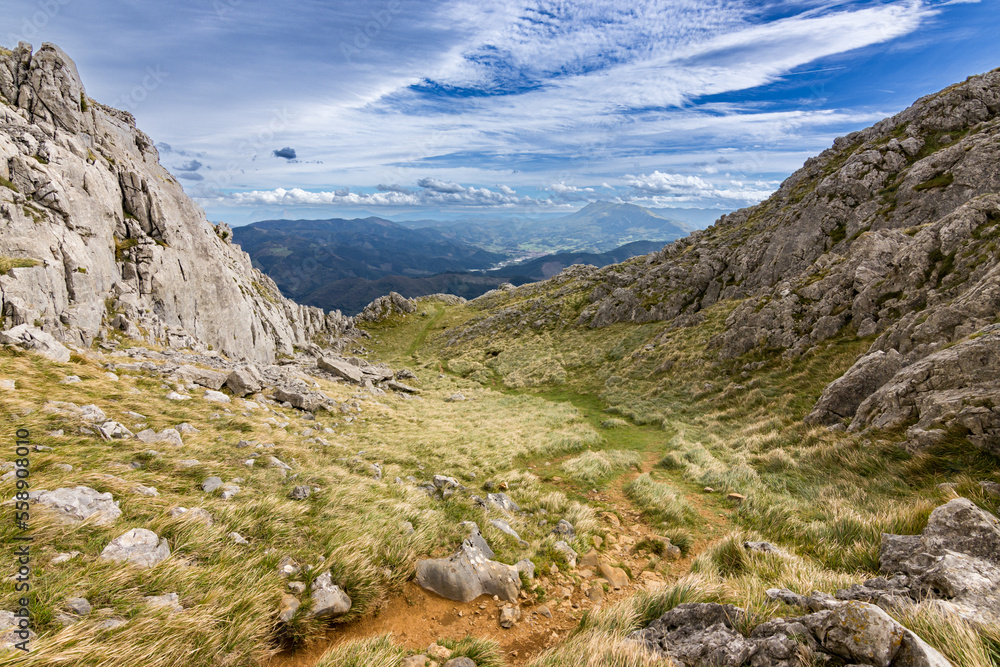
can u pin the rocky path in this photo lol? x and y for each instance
(417, 618)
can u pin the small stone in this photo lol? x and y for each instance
(415, 661)
(461, 661)
(736, 497)
(509, 615)
(174, 396)
(194, 514)
(140, 547)
(63, 557)
(289, 605)
(167, 601)
(455, 398)
(79, 606)
(616, 576)
(216, 396)
(237, 538)
(438, 652)
(229, 491)
(545, 611)
(148, 491)
(211, 484)
(300, 492)
(595, 594)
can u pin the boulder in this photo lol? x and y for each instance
(201, 376)
(245, 380)
(467, 574)
(340, 367)
(616, 576)
(140, 547)
(112, 430)
(81, 503)
(695, 633)
(860, 632)
(211, 484)
(328, 600)
(310, 401)
(841, 398)
(216, 396)
(37, 341)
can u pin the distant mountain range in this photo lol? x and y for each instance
(597, 227)
(344, 264)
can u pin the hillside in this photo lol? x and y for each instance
(345, 264)
(596, 228)
(772, 443)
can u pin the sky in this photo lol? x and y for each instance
(458, 108)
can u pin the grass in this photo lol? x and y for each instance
(938, 181)
(8, 263)
(593, 468)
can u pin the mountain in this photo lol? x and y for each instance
(886, 240)
(319, 261)
(547, 266)
(97, 232)
(597, 227)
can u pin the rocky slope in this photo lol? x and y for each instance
(94, 232)
(889, 235)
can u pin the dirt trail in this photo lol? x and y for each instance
(416, 618)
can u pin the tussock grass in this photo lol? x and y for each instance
(959, 641)
(371, 652)
(593, 468)
(351, 525)
(660, 501)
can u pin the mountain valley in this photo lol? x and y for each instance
(774, 441)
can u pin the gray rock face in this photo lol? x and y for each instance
(201, 376)
(957, 385)
(695, 634)
(140, 547)
(106, 223)
(81, 503)
(841, 398)
(341, 368)
(328, 600)
(467, 574)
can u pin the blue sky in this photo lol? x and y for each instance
(458, 108)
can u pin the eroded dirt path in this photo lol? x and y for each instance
(417, 618)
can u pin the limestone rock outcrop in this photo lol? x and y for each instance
(102, 237)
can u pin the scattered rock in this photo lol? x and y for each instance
(509, 615)
(300, 492)
(37, 341)
(237, 538)
(468, 574)
(211, 484)
(81, 503)
(564, 528)
(458, 396)
(78, 606)
(328, 600)
(616, 576)
(168, 601)
(148, 491)
(437, 652)
(567, 551)
(245, 380)
(216, 396)
(139, 547)
(415, 661)
(287, 608)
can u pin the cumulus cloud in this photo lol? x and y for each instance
(286, 152)
(685, 187)
(434, 185)
(191, 165)
(434, 192)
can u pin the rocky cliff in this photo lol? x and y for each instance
(889, 235)
(96, 234)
